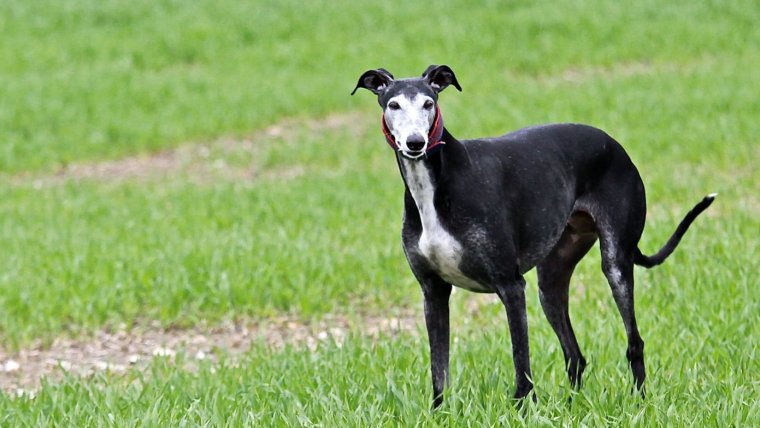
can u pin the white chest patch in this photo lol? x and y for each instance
(443, 251)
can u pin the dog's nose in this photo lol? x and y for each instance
(415, 142)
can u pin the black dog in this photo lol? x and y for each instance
(480, 213)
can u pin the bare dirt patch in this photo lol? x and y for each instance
(225, 159)
(121, 350)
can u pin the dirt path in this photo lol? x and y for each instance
(119, 351)
(223, 159)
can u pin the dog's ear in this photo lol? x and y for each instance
(374, 80)
(439, 77)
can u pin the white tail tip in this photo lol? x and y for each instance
(712, 195)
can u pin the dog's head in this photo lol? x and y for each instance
(410, 106)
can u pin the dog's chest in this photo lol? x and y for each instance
(442, 250)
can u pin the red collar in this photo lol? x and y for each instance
(434, 136)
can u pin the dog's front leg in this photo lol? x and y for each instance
(436, 293)
(512, 294)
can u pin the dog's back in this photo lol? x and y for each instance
(579, 153)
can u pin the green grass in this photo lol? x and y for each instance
(386, 384)
(315, 230)
(103, 79)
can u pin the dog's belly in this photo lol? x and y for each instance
(444, 254)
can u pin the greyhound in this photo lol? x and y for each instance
(479, 214)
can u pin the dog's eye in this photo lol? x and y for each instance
(393, 105)
(428, 105)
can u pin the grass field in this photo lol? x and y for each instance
(179, 165)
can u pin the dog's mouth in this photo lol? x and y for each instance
(413, 154)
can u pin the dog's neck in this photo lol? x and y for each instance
(443, 162)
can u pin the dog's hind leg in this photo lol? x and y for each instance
(618, 268)
(619, 210)
(554, 274)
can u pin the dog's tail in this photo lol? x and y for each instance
(652, 261)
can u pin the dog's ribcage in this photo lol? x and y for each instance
(436, 244)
